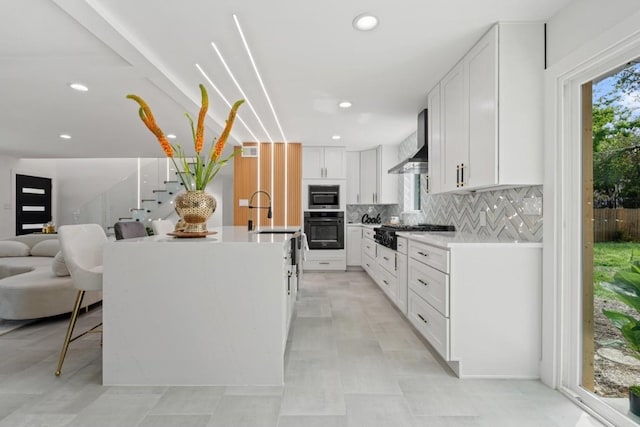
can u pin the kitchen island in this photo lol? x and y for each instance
(197, 311)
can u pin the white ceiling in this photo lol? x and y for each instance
(308, 54)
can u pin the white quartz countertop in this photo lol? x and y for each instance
(229, 234)
(359, 224)
(447, 239)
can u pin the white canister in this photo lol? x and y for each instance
(394, 220)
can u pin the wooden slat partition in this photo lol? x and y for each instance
(294, 169)
(246, 183)
(265, 184)
(245, 175)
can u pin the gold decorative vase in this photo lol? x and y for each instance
(195, 208)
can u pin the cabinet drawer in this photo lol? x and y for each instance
(368, 233)
(324, 264)
(370, 266)
(402, 245)
(388, 283)
(430, 284)
(387, 259)
(369, 248)
(430, 255)
(431, 324)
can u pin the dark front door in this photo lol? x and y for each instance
(33, 203)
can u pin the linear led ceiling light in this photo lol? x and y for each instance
(226, 101)
(255, 69)
(344, 104)
(244, 95)
(65, 136)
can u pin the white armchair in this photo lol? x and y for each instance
(82, 247)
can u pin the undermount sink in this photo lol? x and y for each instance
(269, 231)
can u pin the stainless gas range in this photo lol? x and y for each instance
(386, 234)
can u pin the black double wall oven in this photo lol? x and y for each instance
(324, 229)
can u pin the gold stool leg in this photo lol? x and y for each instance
(72, 324)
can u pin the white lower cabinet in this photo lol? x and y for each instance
(431, 285)
(354, 245)
(330, 259)
(389, 271)
(479, 306)
(430, 323)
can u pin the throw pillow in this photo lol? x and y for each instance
(58, 265)
(11, 248)
(46, 248)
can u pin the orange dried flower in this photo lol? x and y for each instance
(147, 118)
(199, 142)
(202, 172)
(227, 129)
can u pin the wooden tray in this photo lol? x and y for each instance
(185, 235)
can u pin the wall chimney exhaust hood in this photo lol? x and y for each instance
(419, 162)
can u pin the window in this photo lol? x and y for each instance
(411, 192)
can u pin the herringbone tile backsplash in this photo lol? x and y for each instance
(505, 213)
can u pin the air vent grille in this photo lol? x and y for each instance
(250, 151)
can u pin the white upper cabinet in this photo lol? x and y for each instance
(367, 179)
(433, 132)
(323, 162)
(387, 156)
(482, 69)
(368, 176)
(455, 135)
(353, 177)
(491, 106)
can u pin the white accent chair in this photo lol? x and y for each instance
(82, 247)
(162, 226)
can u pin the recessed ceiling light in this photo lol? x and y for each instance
(336, 137)
(171, 136)
(65, 136)
(79, 87)
(344, 104)
(365, 22)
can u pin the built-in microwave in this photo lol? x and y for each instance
(324, 197)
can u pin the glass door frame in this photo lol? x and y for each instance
(564, 215)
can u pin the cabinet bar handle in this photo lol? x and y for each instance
(457, 175)
(462, 175)
(385, 282)
(422, 318)
(323, 263)
(423, 254)
(385, 258)
(423, 282)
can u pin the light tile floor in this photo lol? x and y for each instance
(352, 360)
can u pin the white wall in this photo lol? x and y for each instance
(582, 21)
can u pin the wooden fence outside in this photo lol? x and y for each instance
(616, 224)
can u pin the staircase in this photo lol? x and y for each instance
(157, 194)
